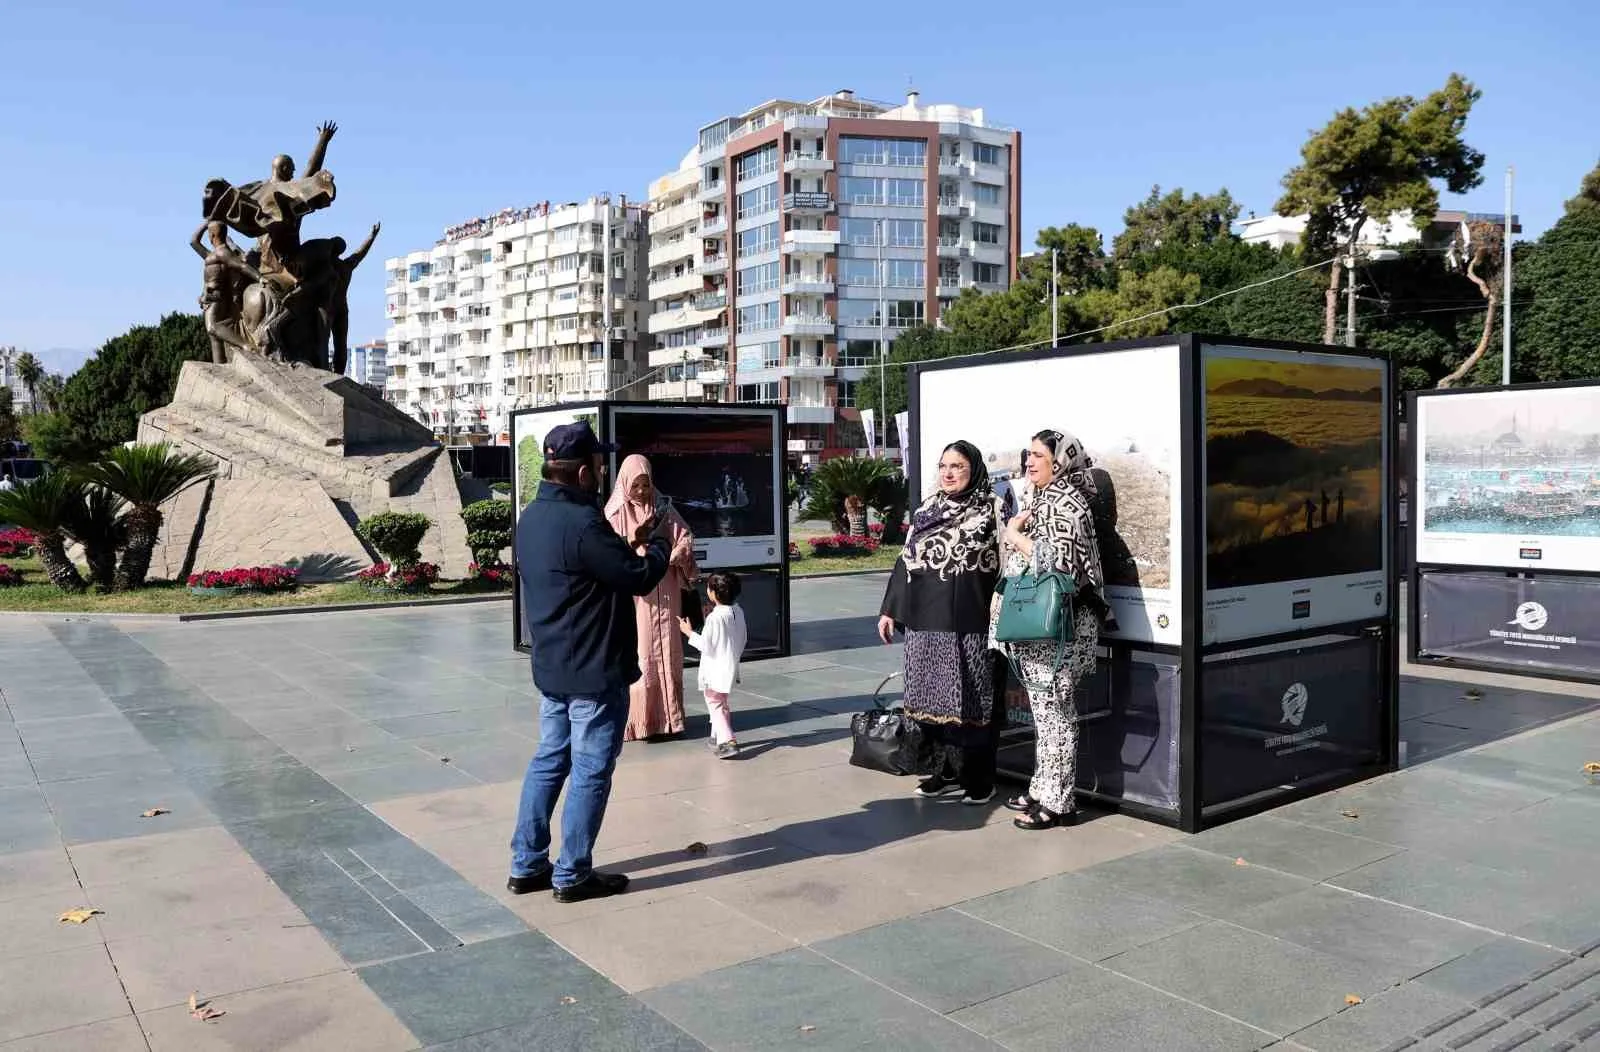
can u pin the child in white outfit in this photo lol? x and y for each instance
(721, 644)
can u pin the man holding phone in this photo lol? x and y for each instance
(578, 580)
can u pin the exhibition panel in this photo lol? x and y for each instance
(721, 467)
(1243, 515)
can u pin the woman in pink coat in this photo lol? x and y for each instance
(655, 706)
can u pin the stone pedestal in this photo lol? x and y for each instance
(302, 456)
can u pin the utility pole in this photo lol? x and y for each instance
(1350, 299)
(883, 346)
(1505, 285)
(685, 372)
(1055, 302)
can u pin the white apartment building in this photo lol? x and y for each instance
(797, 238)
(526, 307)
(369, 364)
(1279, 232)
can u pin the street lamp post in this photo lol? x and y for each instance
(883, 347)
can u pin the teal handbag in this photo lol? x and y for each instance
(1037, 607)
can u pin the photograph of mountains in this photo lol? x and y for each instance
(1294, 470)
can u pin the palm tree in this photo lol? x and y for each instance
(842, 489)
(46, 506)
(146, 477)
(96, 523)
(30, 370)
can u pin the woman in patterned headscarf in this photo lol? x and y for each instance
(1058, 529)
(939, 595)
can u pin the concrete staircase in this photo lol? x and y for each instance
(302, 455)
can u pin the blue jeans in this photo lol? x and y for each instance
(580, 735)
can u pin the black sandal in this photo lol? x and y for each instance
(1022, 802)
(1039, 818)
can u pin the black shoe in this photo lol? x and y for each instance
(938, 786)
(533, 882)
(596, 885)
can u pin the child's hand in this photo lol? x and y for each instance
(683, 623)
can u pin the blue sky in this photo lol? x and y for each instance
(116, 113)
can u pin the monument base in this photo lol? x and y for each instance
(302, 456)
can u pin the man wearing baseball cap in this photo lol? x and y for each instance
(578, 580)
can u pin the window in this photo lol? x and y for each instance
(986, 273)
(908, 233)
(858, 231)
(858, 271)
(858, 352)
(903, 314)
(418, 271)
(905, 273)
(904, 191)
(758, 318)
(986, 233)
(983, 153)
(565, 233)
(901, 153)
(763, 238)
(564, 264)
(858, 312)
(759, 355)
(763, 278)
(986, 193)
(847, 393)
(858, 191)
(758, 392)
(682, 338)
(760, 201)
(757, 163)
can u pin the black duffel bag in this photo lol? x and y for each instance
(887, 740)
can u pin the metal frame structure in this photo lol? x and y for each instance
(605, 431)
(1416, 569)
(1193, 653)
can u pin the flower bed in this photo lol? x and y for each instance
(10, 577)
(794, 551)
(243, 579)
(414, 578)
(16, 543)
(841, 546)
(495, 575)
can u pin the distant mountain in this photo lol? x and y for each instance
(1264, 388)
(63, 360)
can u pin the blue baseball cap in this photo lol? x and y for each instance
(574, 442)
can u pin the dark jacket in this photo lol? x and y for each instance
(923, 602)
(578, 581)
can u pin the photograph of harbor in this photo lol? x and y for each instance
(1510, 468)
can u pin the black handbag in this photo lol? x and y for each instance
(887, 740)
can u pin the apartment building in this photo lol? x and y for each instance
(369, 364)
(526, 307)
(797, 238)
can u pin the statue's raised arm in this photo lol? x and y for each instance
(319, 152)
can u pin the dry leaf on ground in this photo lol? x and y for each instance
(80, 915)
(444, 759)
(1473, 694)
(1240, 862)
(1351, 814)
(697, 848)
(1591, 768)
(1351, 999)
(807, 1028)
(153, 812)
(569, 1000)
(202, 1010)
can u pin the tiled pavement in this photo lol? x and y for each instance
(340, 790)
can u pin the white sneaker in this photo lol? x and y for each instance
(978, 801)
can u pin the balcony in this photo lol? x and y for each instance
(714, 265)
(949, 286)
(807, 325)
(954, 167)
(811, 414)
(711, 301)
(714, 337)
(807, 163)
(690, 390)
(808, 202)
(672, 251)
(675, 355)
(810, 242)
(714, 226)
(677, 285)
(805, 122)
(712, 191)
(952, 248)
(952, 208)
(807, 285)
(806, 367)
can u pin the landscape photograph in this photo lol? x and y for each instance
(1294, 470)
(529, 430)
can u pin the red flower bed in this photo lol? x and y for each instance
(411, 578)
(248, 578)
(16, 543)
(841, 546)
(497, 574)
(9, 577)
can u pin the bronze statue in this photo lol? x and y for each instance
(297, 295)
(226, 271)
